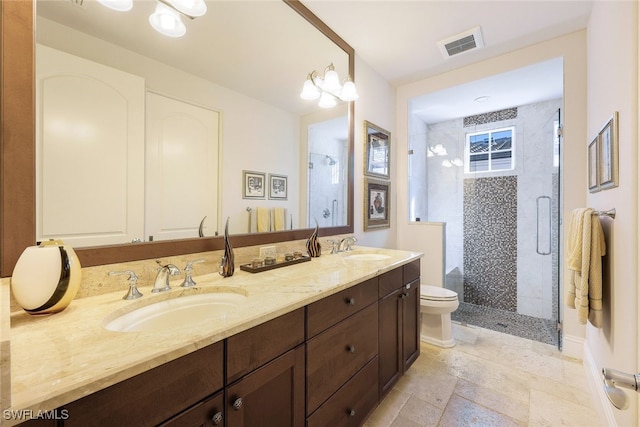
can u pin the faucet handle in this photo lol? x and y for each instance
(335, 246)
(188, 270)
(133, 292)
(348, 243)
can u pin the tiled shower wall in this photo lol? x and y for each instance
(490, 230)
(437, 193)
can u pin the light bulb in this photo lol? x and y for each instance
(167, 21)
(349, 92)
(331, 80)
(326, 101)
(457, 161)
(446, 163)
(309, 91)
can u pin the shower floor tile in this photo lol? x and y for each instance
(520, 325)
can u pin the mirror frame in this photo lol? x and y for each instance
(17, 155)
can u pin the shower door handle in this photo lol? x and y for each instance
(538, 250)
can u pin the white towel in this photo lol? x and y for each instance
(586, 249)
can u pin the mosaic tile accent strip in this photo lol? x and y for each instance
(490, 246)
(493, 116)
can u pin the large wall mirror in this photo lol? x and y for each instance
(242, 65)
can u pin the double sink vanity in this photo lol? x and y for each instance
(318, 343)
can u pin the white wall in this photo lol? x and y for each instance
(376, 105)
(572, 48)
(253, 134)
(612, 69)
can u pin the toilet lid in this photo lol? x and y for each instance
(436, 293)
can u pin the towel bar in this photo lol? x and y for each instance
(611, 213)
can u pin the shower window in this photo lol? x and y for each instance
(489, 151)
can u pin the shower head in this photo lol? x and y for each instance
(330, 159)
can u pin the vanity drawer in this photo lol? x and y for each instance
(330, 310)
(254, 347)
(155, 395)
(352, 404)
(337, 354)
(410, 272)
(389, 282)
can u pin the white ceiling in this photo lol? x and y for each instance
(398, 39)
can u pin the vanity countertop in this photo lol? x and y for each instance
(56, 359)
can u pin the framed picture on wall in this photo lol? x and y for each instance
(377, 148)
(277, 186)
(593, 166)
(376, 204)
(608, 154)
(253, 185)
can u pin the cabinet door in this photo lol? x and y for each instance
(271, 396)
(410, 323)
(90, 151)
(390, 339)
(206, 413)
(181, 169)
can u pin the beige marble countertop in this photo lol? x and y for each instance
(56, 359)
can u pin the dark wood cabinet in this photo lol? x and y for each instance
(270, 396)
(154, 396)
(208, 413)
(327, 364)
(399, 323)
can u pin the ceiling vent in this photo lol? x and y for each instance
(463, 42)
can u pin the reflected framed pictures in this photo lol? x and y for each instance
(253, 186)
(603, 157)
(593, 166)
(377, 214)
(377, 150)
(277, 186)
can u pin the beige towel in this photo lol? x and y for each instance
(263, 219)
(586, 249)
(279, 219)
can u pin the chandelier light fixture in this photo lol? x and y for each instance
(438, 150)
(167, 18)
(327, 88)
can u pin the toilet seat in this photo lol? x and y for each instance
(436, 293)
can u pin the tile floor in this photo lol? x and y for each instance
(489, 379)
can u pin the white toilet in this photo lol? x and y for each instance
(436, 306)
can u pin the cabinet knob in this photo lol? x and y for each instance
(351, 301)
(216, 420)
(351, 412)
(237, 404)
(351, 349)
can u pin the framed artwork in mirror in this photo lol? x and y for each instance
(608, 154)
(277, 186)
(253, 185)
(593, 166)
(376, 204)
(377, 150)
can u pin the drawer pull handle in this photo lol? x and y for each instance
(351, 349)
(216, 420)
(351, 412)
(237, 404)
(351, 301)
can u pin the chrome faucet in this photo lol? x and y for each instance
(161, 283)
(346, 244)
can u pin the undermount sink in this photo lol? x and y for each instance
(181, 310)
(367, 257)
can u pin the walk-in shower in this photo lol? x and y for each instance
(494, 178)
